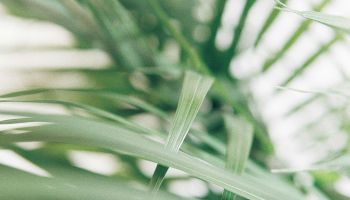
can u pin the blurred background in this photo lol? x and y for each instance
(307, 118)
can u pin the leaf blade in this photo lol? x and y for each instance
(88, 132)
(334, 21)
(194, 89)
(240, 137)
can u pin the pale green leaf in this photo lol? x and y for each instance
(337, 22)
(240, 137)
(90, 109)
(19, 185)
(89, 91)
(336, 164)
(194, 89)
(75, 130)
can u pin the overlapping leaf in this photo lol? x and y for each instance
(69, 129)
(18, 185)
(194, 89)
(334, 21)
(240, 137)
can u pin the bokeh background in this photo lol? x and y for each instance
(301, 138)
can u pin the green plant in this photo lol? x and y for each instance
(229, 147)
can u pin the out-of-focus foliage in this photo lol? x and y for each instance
(152, 44)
